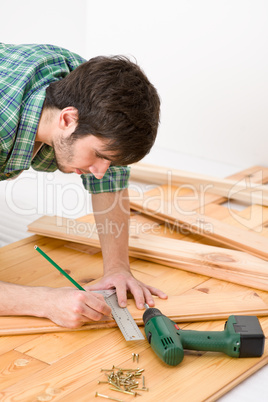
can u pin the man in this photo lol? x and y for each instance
(58, 111)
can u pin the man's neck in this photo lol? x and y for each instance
(46, 126)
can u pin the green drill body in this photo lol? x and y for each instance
(169, 341)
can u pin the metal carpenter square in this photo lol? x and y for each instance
(122, 316)
(124, 320)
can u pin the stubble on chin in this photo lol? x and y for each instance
(63, 147)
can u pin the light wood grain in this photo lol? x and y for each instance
(51, 347)
(220, 263)
(197, 223)
(16, 366)
(68, 378)
(8, 343)
(245, 190)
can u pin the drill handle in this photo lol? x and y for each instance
(216, 341)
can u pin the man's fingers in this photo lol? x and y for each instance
(98, 296)
(97, 304)
(148, 298)
(138, 294)
(72, 308)
(121, 292)
(142, 293)
(104, 308)
(157, 292)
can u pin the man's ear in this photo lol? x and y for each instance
(68, 118)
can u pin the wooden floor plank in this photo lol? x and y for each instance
(151, 366)
(232, 266)
(16, 366)
(50, 348)
(36, 271)
(204, 225)
(184, 280)
(24, 249)
(189, 381)
(73, 371)
(8, 343)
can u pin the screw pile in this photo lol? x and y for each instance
(124, 380)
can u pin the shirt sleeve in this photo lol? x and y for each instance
(115, 179)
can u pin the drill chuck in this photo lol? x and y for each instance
(150, 313)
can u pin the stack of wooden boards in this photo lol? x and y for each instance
(170, 205)
(204, 289)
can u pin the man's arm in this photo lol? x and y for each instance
(111, 211)
(67, 307)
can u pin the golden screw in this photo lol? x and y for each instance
(108, 397)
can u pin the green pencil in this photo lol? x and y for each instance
(59, 268)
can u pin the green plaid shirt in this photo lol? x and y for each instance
(25, 73)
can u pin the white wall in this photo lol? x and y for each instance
(58, 22)
(209, 61)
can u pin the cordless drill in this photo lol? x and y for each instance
(242, 337)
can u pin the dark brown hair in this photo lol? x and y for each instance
(115, 101)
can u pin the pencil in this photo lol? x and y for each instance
(59, 268)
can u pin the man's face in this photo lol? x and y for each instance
(84, 155)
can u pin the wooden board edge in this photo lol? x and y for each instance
(238, 380)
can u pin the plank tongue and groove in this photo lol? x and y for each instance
(195, 201)
(246, 190)
(230, 265)
(196, 306)
(168, 211)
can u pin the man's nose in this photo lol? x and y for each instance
(99, 168)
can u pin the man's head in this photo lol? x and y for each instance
(115, 102)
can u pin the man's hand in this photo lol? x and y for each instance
(123, 281)
(72, 308)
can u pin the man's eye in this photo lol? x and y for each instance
(103, 158)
